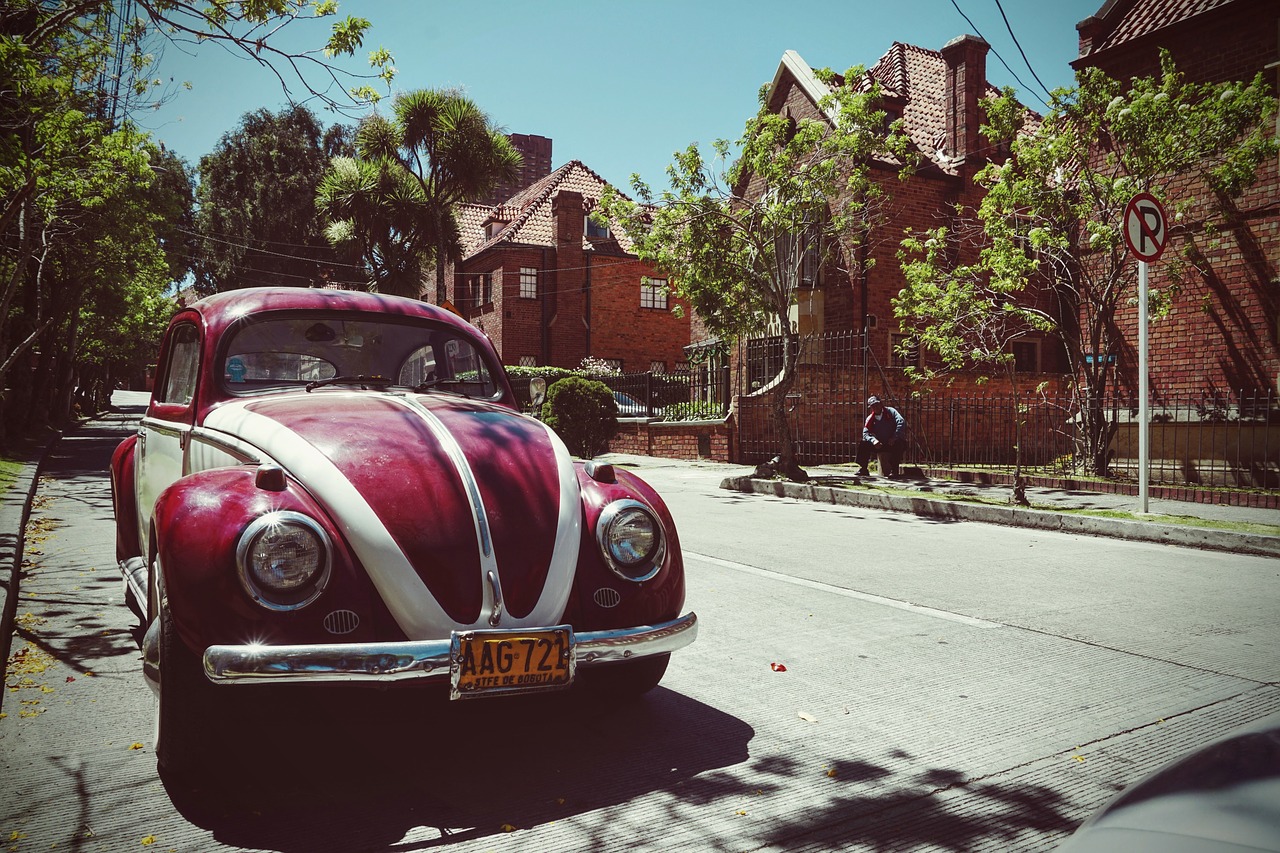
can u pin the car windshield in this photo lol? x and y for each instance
(296, 350)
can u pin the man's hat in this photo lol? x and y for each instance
(873, 400)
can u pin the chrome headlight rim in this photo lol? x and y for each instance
(271, 599)
(644, 569)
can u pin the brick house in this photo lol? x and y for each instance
(938, 94)
(551, 287)
(1223, 333)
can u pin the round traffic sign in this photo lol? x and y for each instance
(1145, 227)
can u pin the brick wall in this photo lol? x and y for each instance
(1221, 332)
(675, 440)
(621, 329)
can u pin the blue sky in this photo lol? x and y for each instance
(621, 85)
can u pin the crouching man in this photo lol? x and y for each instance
(884, 433)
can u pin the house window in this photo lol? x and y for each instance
(1026, 356)
(481, 290)
(528, 283)
(902, 351)
(528, 361)
(596, 229)
(653, 293)
(614, 364)
(657, 367)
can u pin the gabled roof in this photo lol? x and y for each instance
(914, 77)
(526, 218)
(1126, 20)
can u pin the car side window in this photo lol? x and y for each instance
(452, 364)
(184, 367)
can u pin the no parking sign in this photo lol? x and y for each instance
(1145, 227)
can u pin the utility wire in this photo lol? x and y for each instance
(1017, 44)
(978, 33)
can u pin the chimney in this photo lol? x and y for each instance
(568, 331)
(966, 58)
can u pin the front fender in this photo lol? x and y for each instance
(124, 499)
(603, 600)
(198, 523)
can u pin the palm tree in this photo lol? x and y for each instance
(396, 199)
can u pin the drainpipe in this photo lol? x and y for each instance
(586, 300)
(545, 324)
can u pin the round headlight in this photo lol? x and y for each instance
(631, 540)
(283, 558)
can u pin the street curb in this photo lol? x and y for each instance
(1037, 519)
(15, 510)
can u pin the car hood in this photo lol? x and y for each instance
(464, 514)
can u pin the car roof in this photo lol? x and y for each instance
(223, 309)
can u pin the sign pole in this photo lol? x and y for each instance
(1144, 395)
(1145, 232)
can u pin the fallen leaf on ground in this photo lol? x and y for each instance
(741, 812)
(506, 827)
(148, 840)
(808, 718)
(136, 746)
(777, 667)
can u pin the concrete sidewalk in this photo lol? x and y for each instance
(922, 495)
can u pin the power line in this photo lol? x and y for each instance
(978, 33)
(1017, 44)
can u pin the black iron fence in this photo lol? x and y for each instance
(696, 393)
(1227, 439)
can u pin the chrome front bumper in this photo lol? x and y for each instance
(425, 660)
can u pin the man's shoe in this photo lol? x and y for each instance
(863, 472)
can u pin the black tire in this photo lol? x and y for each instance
(625, 680)
(187, 712)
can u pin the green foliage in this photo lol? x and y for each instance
(258, 212)
(1050, 224)
(393, 202)
(738, 241)
(583, 413)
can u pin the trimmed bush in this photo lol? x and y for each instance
(583, 413)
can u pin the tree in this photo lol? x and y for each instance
(94, 219)
(738, 242)
(1051, 218)
(397, 197)
(257, 219)
(966, 316)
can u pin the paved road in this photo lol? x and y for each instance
(947, 686)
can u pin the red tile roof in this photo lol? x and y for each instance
(917, 77)
(1126, 20)
(527, 215)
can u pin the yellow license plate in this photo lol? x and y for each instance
(514, 661)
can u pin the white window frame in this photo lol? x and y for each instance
(528, 283)
(653, 293)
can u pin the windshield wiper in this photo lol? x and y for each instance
(362, 380)
(439, 385)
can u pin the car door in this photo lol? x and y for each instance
(165, 433)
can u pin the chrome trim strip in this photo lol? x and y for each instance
(168, 428)
(425, 660)
(221, 442)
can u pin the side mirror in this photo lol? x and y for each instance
(537, 390)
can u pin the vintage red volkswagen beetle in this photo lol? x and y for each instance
(333, 487)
